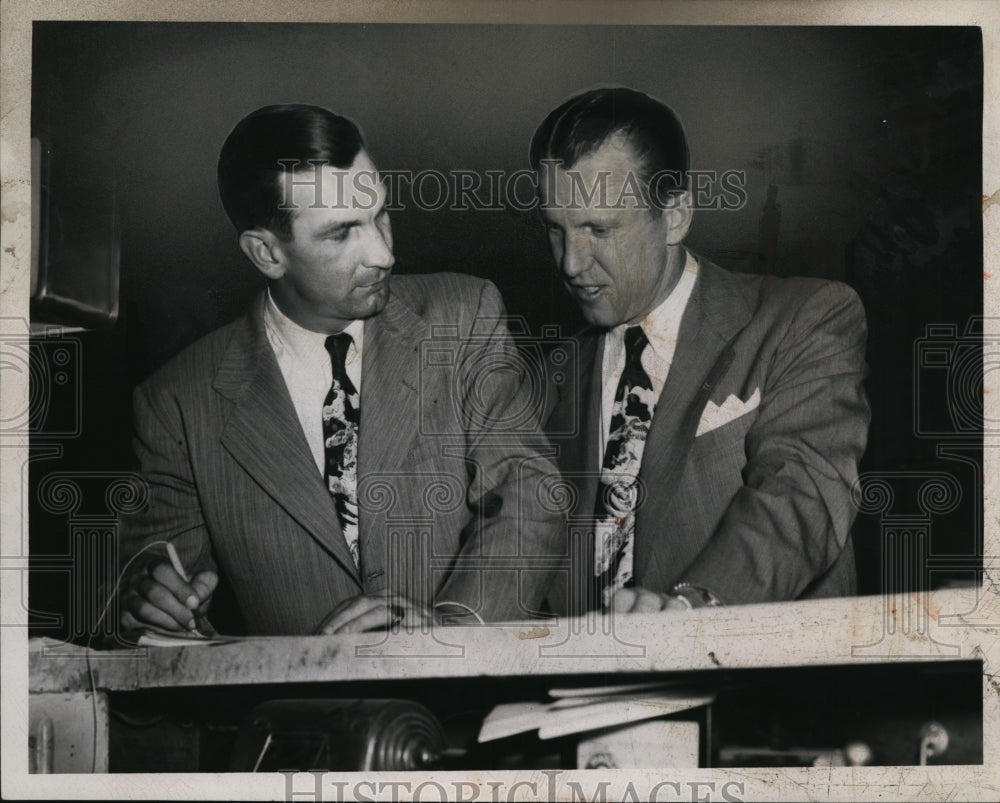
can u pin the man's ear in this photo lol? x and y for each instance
(259, 246)
(679, 214)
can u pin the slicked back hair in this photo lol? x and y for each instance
(587, 121)
(250, 170)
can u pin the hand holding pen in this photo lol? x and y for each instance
(164, 596)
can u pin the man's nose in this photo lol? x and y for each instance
(378, 248)
(575, 258)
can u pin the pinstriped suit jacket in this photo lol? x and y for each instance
(757, 509)
(447, 465)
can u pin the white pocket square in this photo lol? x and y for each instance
(714, 416)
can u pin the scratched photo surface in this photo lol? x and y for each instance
(846, 153)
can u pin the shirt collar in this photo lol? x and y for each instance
(662, 324)
(286, 334)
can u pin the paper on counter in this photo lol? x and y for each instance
(573, 715)
(510, 718)
(153, 636)
(618, 712)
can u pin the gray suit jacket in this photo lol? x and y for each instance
(759, 508)
(446, 467)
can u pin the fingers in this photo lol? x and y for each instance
(204, 584)
(164, 575)
(638, 600)
(372, 612)
(647, 601)
(362, 613)
(129, 622)
(673, 604)
(160, 596)
(382, 615)
(622, 600)
(139, 612)
(342, 613)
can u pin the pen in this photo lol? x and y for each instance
(202, 625)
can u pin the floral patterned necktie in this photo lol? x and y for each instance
(341, 416)
(618, 494)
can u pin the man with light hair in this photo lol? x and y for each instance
(721, 416)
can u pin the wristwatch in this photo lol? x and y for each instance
(695, 596)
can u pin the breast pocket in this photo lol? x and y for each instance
(722, 451)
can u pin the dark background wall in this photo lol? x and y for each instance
(861, 149)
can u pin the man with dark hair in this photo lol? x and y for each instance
(307, 451)
(721, 416)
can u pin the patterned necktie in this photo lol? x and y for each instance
(614, 531)
(341, 417)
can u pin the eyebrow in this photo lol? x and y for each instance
(344, 225)
(336, 228)
(589, 222)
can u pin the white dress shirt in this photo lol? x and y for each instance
(305, 365)
(661, 326)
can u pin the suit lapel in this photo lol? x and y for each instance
(578, 453)
(574, 428)
(390, 372)
(263, 434)
(716, 312)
